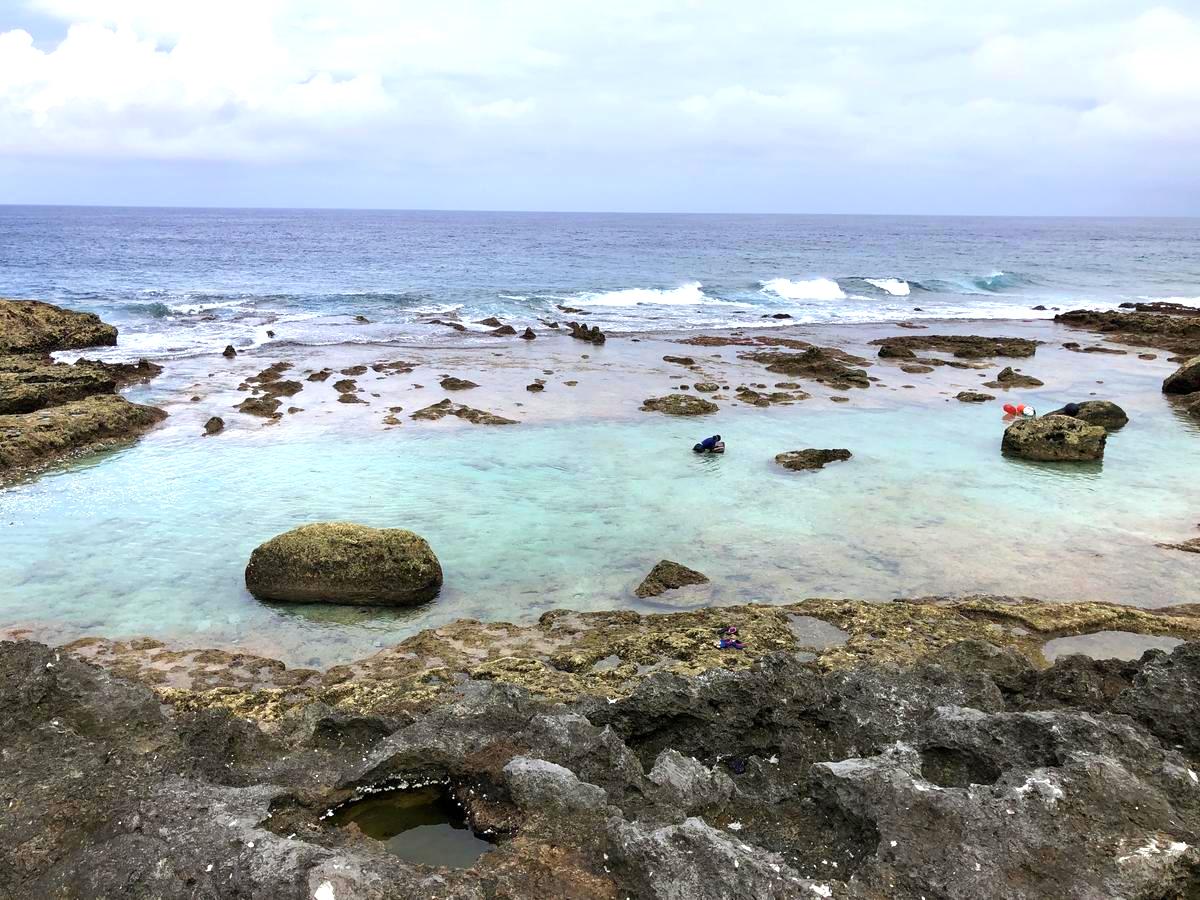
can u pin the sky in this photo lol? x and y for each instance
(1056, 107)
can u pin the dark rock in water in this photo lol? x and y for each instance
(1189, 546)
(821, 364)
(1096, 412)
(668, 576)
(490, 322)
(229, 352)
(270, 333)
(362, 320)
(973, 397)
(528, 334)
(1184, 381)
(350, 398)
(1163, 306)
(30, 326)
(1009, 378)
(1039, 308)
(680, 360)
(321, 375)
(781, 316)
(592, 335)
(215, 425)
(1054, 439)
(802, 460)
(1076, 348)
(965, 346)
(450, 383)
(345, 386)
(123, 373)
(355, 371)
(1179, 334)
(572, 309)
(679, 405)
(895, 351)
(707, 387)
(36, 439)
(457, 326)
(535, 387)
(265, 407)
(282, 388)
(340, 562)
(916, 370)
(504, 331)
(445, 408)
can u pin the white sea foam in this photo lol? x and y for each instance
(897, 287)
(811, 289)
(690, 294)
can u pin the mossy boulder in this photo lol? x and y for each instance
(803, 460)
(340, 562)
(1054, 439)
(1104, 413)
(668, 576)
(30, 326)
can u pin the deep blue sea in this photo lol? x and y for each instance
(185, 281)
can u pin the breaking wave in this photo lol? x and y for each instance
(811, 289)
(689, 294)
(897, 287)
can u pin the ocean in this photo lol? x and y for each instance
(183, 282)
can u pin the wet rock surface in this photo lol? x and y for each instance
(1010, 378)
(340, 562)
(966, 346)
(668, 576)
(973, 397)
(583, 332)
(53, 411)
(1176, 333)
(447, 407)
(828, 366)
(1185, 380)
(802, 460)
(964, 769)
(679, 405)
(1054, 439)
(1104, 413)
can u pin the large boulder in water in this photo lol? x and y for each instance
(1104, 413)
(1054, 439)
(1186, 380)
(340, 562)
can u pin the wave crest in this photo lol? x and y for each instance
(689, 294)
(897, 287)
(810, 289)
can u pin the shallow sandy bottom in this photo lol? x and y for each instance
(571, 507)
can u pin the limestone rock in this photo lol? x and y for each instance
(30, 326)
(679, 405)
(668, 576)
(1009, 378)
(340, 562)
(973, 397)
(1054, 439)
(446, 407)
(1184, 381)
(802, 460)
(541, 786)
(450, 383)
(965, 346)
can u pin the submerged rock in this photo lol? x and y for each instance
(340, 562)
(1104, 413)
(263, 407)
(229, 352)
(679, 405)
(1010, 378)
(1054, 439)
(450, 383)
(821, 364)
(1192, 545)
(446, 407)
(1186, 380)
(30, 326)
(668, 576)
(802, 460)
(973, 397)
(680, 360)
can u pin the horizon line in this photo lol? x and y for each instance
(585, 212)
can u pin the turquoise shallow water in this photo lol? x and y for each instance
(153, 539)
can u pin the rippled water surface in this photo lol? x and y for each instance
(153, 539)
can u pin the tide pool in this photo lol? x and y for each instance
(153, 540)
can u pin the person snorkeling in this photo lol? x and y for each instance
(712, 444)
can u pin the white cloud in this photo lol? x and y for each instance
(906, 86)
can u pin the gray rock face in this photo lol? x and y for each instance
(1185, 380)
(1104, 413)
(969, 775)
(340, 562)
(539, 785)
(1054, 439)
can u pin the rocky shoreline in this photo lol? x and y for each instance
(913, 749)
(923, 748)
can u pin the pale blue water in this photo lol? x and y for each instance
(153, 540)
(181, 281)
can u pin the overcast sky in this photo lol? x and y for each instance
(900, 106)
